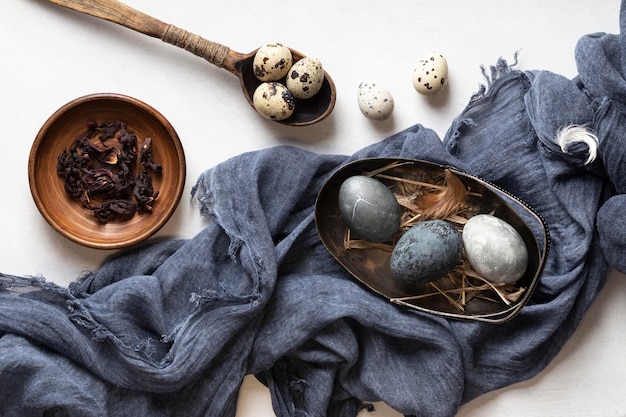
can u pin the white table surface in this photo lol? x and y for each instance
(50, 55)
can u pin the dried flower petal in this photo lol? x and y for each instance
(101, 175)
(116, 209)
(108, 129)
(144, 192)
(145, 157)
(128, 140)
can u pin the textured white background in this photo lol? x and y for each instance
(49, 56)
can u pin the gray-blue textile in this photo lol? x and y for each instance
(171, 328)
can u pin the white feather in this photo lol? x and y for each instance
(572, 134)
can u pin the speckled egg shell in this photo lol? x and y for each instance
(426, 252)
(375, 102)
(272, 62)
(273, 101)
(369, 208)
(495, 249)
(431, 74)
(305, 78)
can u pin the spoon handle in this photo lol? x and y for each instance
(124, 15)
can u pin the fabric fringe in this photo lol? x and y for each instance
(21, 285)
(200, 193)
(223, 297)
(81, 316)
(496, 71)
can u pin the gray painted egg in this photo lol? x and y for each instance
(369, 208)
(495, 249)
(426, 252)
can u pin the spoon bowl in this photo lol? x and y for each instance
(307, 111)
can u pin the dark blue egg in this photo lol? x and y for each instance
(369, 208)
(426, 252)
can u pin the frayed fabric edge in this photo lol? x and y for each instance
(496, 72)
(202, 195)
(223, 296)
(20, 285)
(144, 348)
(81, 316)
(76, 311)
(454, 134)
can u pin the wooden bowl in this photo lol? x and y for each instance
(67, 215)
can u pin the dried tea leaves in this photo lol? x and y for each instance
(107, 174)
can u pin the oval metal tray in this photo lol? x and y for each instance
(370, 265)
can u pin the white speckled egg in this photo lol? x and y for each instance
(369, 208)
(305, 78)
(431, 74)
(495, 249)
(272, 62)
(375, 101)
(273, 101)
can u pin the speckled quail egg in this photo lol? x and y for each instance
(431, 74)
(305, 78)
(369, 208)
(375, 101)
(272, 62)
(426, 252)
(495, 249)
(273, 101)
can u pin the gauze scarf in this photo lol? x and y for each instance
(170, 328)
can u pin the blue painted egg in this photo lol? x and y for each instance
(495, 249)
(369, 208)
(426, 252)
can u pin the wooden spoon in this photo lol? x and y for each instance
(307, 111)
